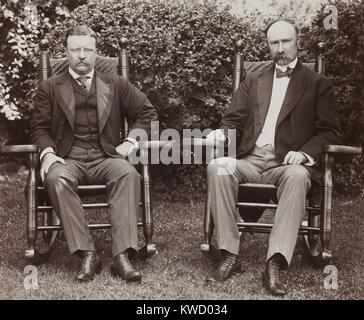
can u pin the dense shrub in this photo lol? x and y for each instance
(22, 25)
(181, 57)
(345, 66)
(180, 53)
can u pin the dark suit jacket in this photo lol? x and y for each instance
(308, 118)
(53, 117)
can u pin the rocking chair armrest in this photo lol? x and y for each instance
(339, 149)
(32, 152)
(198, 142)
(151, 144)
(21, 148)
(185, 142)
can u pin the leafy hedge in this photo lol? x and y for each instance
(181, 57)
(22, 25)
(345, 66)
(180, 53)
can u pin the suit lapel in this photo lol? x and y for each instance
(66, 98)
(264, 92)
(104, 96)
(296, 88)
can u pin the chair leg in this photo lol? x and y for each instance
(31, 233)
(207, 248)
(48, 237)
(320, 250)
(312, 240)
(315, 243)
(326, 216)
(149, 249)
(32, 214)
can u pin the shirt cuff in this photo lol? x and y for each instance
(310, 161)
(133, 141)
(45, 151)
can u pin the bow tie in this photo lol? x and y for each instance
(281, 74)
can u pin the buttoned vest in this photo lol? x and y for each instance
(86, 133)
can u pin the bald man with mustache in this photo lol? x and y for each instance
(282, 115)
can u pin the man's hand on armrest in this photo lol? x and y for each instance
(44, 152)
(127, 147)
(294, 157)
(48, 160)
(310, 161)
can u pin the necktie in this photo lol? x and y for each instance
(281, 74)
(83, 82)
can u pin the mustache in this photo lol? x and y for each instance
(279, 57)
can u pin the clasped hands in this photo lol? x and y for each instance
(291, 158)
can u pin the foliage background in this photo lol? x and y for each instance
(181, 57)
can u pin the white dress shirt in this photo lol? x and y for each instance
(279, 90)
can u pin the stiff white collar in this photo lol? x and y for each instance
(292, 65)
(76, 75)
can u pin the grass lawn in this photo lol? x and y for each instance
(178, 270)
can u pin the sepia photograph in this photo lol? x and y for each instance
(182, 156)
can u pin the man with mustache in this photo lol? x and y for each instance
(77, 120)
(282, 115)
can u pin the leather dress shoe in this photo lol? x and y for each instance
(122, 267)
(271, 277)
(227, 267)
(90, 266)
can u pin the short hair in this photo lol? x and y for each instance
(291, 22)
(81, 30)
